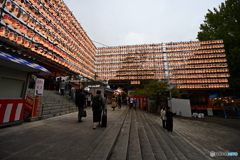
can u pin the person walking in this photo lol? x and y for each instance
(104, 116)
(88, 99)
(97, 107)
(163, 117)
(105, 102)
(119, 101)
(169, 121)
(114, 102)
(62, 87)
(135, 103)
(130, 102)
(80, 103)
(72, 92)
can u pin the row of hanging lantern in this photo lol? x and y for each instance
(189, 43)
(129, 77)
(196, 52)
(24, 29)
(134, 47)
(14, 36)
(207, 75)
(127, 56)
(223, 80)
(216, 60)
(158, 46)
(145, 50)
(215, 70)
(142, 65)
(73, 27)
(198, 56)
(71, 44)
(195, 48)
(129, 47)
(199, 66)
(198, 86)
(159, 53)
(123, 73)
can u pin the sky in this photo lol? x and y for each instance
(136, 22)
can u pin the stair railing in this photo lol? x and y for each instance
(34, 106)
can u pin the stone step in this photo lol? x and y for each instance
(55, 104)
(145, 143)
(108, 140)
(134, 150)
(156, 148)
(120, 149)
(178, 143)
(170, 150)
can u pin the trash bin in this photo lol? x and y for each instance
(200, 115)
(195, 115)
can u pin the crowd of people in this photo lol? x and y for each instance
(98, 103)
(84, 99)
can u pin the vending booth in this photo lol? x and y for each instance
(15, 75)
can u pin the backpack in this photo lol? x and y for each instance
(97, 103)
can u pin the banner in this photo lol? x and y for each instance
(209, 111)
(39, 86)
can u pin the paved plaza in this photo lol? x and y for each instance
(129, 135)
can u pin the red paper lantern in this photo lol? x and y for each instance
(40, 51)
(4, 32)
(38, 27)
(30, 33)
(32, 22)
(23, 29)
(36, 37)
(49, 55)
(15, 24)
(17, 12)
(35, 2)
(19, 39)
(25, 17)
(34, 47)
(20, 2)
(2, 2)
(10, 6)
(12, 36)
(26, 43)
(28, 7)
(7, 19)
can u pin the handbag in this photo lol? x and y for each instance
(84, 114)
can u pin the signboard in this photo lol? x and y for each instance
(135, 82)
(39, 86)
(209, 111)
(181, 107)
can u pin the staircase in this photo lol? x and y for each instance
(53, 104)
(140, 136)
(130, 135)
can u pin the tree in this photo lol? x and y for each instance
(157, 91)
(224, 23)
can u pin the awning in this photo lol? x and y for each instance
(21, 64)
(109, 90)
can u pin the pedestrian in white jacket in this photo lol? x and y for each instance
(163, 117)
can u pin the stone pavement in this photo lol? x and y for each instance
(129, 135)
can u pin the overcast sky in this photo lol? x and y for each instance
(131, 22)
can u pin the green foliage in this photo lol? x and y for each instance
(224, 23)
(157, 91)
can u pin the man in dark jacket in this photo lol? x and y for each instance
(80, 102)
(169, 121)
(97, 106)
